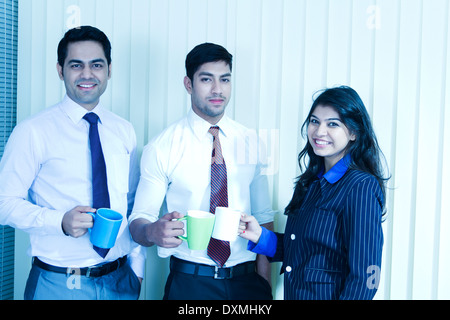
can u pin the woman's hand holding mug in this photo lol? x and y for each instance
(249, 228)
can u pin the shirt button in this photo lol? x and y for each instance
(292, 236)
(288, 269)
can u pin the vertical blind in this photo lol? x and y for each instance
(8, 92)
(393, 52)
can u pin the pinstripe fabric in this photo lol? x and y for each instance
(333, 242)
(218, 250)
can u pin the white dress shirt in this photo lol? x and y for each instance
(176, 175)
(46, 171)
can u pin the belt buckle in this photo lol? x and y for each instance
(218, 277)
(89, 270)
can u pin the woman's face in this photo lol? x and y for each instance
(328, 135)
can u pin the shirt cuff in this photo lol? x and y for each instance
(267, 244)
(53, 221)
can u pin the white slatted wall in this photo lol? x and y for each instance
(393, 52)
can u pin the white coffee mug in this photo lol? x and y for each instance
(226, 225)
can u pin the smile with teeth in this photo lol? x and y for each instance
(87, 86)
(321, 142)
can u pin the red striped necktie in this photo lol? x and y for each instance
(218, 250)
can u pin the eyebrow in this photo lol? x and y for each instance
(92, 61)
(208, 74)
(329, 119)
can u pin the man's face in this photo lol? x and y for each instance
(210, 90)
(85, 73)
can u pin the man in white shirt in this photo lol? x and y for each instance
(176, 175)
(46, 187)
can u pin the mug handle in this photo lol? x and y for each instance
(92, 214)
(182, 237)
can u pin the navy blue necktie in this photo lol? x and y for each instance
(100, 194)
(218, 250)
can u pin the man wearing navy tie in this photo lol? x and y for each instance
(66, 161)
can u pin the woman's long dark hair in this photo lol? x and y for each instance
(365, 151)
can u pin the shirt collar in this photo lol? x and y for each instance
(337, 171)
(76, 112)
(200, 126)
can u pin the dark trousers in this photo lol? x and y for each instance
(182, 286)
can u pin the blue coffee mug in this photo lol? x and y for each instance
(107, 223)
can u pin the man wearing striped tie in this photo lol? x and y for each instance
(204, 161)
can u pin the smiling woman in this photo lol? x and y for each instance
(338, 124)
(334, 235)
(328, 135)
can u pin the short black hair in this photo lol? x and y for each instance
(204, 53)
(83, 33)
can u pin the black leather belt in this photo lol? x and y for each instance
(93, 272)
(211, 271)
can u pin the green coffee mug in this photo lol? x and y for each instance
(199, 228)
